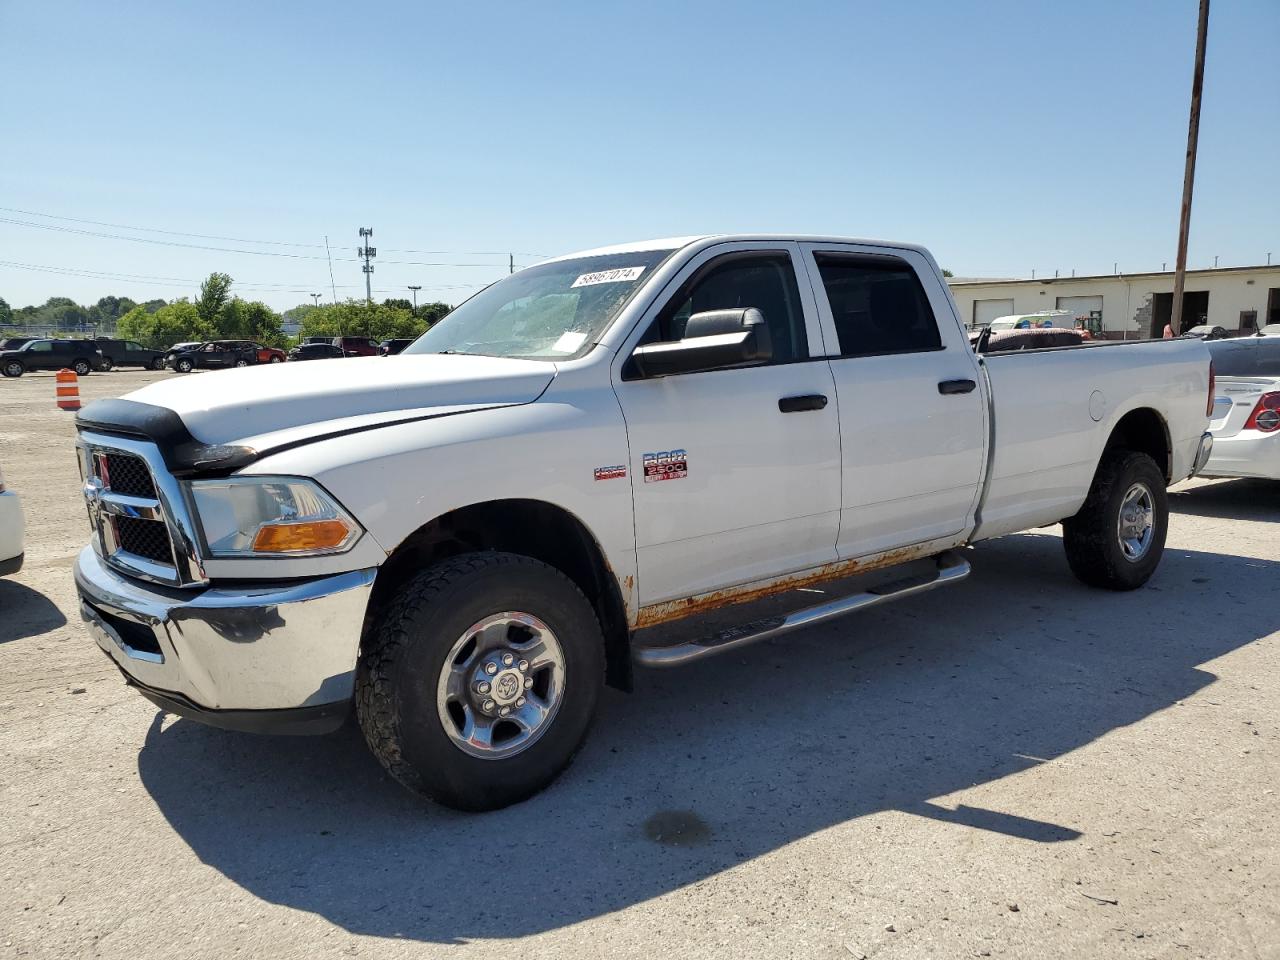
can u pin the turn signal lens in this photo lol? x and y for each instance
(1266, 415)
(306, 537)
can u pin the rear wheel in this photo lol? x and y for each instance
(275, 358)
(242, 362)
(107, 364)
(82, 368)
(157, 363)
(1117, 539)
(478, 683)
(13, 368)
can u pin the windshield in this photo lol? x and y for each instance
(553, 311)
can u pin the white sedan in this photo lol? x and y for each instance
(1246, 408)
(11, 529)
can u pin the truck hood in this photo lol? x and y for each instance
(270, 406)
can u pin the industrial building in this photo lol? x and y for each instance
(1131, 306)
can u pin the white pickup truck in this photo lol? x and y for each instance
(466, 540)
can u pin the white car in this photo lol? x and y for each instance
(11, 530)
(466, 540)
(1044, 320)
(1246, 418)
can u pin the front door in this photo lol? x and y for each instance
(912, 415)
(729, 488)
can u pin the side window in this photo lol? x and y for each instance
(134, 345)
(42, 346)
(766, 281)
(878, 305)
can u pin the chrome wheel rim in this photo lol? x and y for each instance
(1135, 527)
(501, 685)
(13, 369)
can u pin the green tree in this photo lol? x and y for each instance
(399, 303)
(353, 318)
(431, 313)
(214, 294)
(175, 322)
(138, 324)
(947, 273)
(6, 312)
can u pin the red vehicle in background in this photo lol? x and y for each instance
(356, 346)
(269, 354)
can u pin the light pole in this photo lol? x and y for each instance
(316, 298)
(415, 297)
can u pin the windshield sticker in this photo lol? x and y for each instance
(666, 465)
(616, 472)
(617, 275)
(569, 341)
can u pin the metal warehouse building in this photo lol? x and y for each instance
(1131, 306)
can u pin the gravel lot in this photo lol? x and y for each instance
(1016, 766)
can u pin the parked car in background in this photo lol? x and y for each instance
(315, 351)
(13, 343)
(1246, 408)
(269, 354)
(213, 355)
(1062, 319)
(1036, 338)
(389, 348)
(82, 356)
(129, 353)
(11, 530)
(356, 346)
(318, 340)
(1270, 330)
(1207, 331)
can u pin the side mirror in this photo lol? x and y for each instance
(712, 339)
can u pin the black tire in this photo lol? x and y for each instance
(242, 362)
(404, 653)
(107, 365)
(1091, 538)
(275, 359)
(13, 368)
(82, 368)
(157, 363)
(183, 366)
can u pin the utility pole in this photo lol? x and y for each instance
(368, 253)
(1189, 175)
(511, 263)
(415, 297)
(316, 297)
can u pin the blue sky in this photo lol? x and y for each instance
(1005, 136)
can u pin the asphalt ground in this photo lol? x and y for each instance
(1015, 766)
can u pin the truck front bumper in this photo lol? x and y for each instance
(275, 658)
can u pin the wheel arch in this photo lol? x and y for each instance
(531, 528)
(1144, 429)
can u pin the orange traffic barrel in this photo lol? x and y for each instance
(68, 390)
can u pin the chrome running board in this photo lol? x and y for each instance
(951, 567)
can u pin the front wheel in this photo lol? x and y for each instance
(275, 359)
(107, 365)
(157, 363)
(183, 366)
(13, 368)
(477, 684)
(82, 368)
(1116, 540)
(242, 362)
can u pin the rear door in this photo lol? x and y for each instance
(912, 411)
(735, 472)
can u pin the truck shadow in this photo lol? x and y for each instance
(704, 768)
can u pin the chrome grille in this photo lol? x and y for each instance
(140, 521)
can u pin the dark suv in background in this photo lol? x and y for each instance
(356, 346)
(129, 353)
(82, 356)
(213, 355)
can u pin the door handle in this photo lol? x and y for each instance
(956, 386)
(811, 401)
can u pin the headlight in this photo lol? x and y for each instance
(271, 516)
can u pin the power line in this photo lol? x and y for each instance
(255, 253)
(268, 243)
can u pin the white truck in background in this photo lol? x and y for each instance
(466, 540)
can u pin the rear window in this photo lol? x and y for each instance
(877, 304)
(1252, 357)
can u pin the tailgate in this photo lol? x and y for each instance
(1234, 400)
